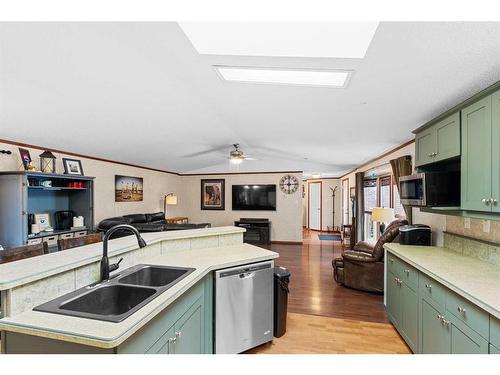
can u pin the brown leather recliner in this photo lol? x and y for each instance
(363, 267)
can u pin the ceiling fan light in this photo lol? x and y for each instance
(236, 160)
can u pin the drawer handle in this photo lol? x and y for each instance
(461, 310)
(407, 272)
(428, 286)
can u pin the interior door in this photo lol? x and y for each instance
(345, 201)
(315, 205)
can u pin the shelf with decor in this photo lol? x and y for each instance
(24, 194)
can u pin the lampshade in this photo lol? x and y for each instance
(382, 214)
(171, 199)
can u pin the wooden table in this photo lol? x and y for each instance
(177, 220)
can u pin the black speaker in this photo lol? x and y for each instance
(64, 219)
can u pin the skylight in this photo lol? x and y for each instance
(332, 78)
(287, 39)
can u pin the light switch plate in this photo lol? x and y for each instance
(467, 223)
(486, 226)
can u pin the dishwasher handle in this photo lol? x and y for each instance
(250, 269)
(247, 275)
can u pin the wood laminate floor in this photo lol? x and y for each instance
(312, 288)
(312, 334)
(324, 317)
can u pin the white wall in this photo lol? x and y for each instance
(156, 184)
(326, 202)
(286, 220)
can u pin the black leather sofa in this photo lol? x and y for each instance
(144, 223)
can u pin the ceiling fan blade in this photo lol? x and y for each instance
(206, 152)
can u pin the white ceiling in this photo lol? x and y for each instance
(140, 93)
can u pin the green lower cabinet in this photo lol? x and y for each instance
(189, 331)
(185, 327)
(393, 300)
(409, 316)
(402, 308)
(466, 341)
(435, 336)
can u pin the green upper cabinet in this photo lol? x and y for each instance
(477, 153)
(425, 144)
(440, 141)
(495, 152)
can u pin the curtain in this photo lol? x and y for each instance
(402, 167)
(359, 223)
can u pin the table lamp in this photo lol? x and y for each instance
(169, 199)
(382, 215)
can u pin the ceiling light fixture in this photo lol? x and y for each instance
(280, 76)
(286, 39)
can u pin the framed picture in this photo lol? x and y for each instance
(43, 220)
(128, 189)
(72, 166)
(25, 157)
(213, 194)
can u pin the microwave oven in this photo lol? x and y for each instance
(430, 189)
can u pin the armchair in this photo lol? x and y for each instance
(363, 267)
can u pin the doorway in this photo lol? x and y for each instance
(314, 205)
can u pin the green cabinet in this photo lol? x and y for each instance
(440, 141)
(495, 152)
(464, 340)
(494, 350)
(402, 308)
(185, 327)
(393, 300)
(476, 160)
(409, 315)
(435, 336)
(431, 318)
(189, 329)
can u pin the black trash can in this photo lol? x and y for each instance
(281, 281)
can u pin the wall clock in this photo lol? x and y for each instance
(289, 184)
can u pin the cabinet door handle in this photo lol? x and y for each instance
(485, 201)
(428, 286)
(178, 335)
(461, 310)
(440, 317)
(407, 272)
(493, 201)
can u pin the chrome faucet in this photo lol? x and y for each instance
(106, 268)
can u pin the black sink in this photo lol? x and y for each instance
(109, 300)
(116, 299)
(154, 276)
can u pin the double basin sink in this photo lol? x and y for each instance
(116, 299)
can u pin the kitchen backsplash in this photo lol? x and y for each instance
(473, 241)
(456, 224)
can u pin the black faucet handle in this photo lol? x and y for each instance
(115, 266)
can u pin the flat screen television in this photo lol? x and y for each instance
(254, 197)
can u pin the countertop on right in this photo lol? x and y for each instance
(471, 278)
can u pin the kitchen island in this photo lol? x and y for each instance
(179, 320)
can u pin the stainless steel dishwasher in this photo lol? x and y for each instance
(243, 307)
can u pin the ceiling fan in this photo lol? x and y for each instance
(237, 156)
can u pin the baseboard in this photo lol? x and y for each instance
(287, 242)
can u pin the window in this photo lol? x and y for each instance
(385, 191)
(396, 203)
(370, 196)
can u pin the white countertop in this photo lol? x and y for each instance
(107, 334)
(473, 279)
(27, 270)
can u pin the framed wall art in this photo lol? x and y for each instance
(213, 194)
